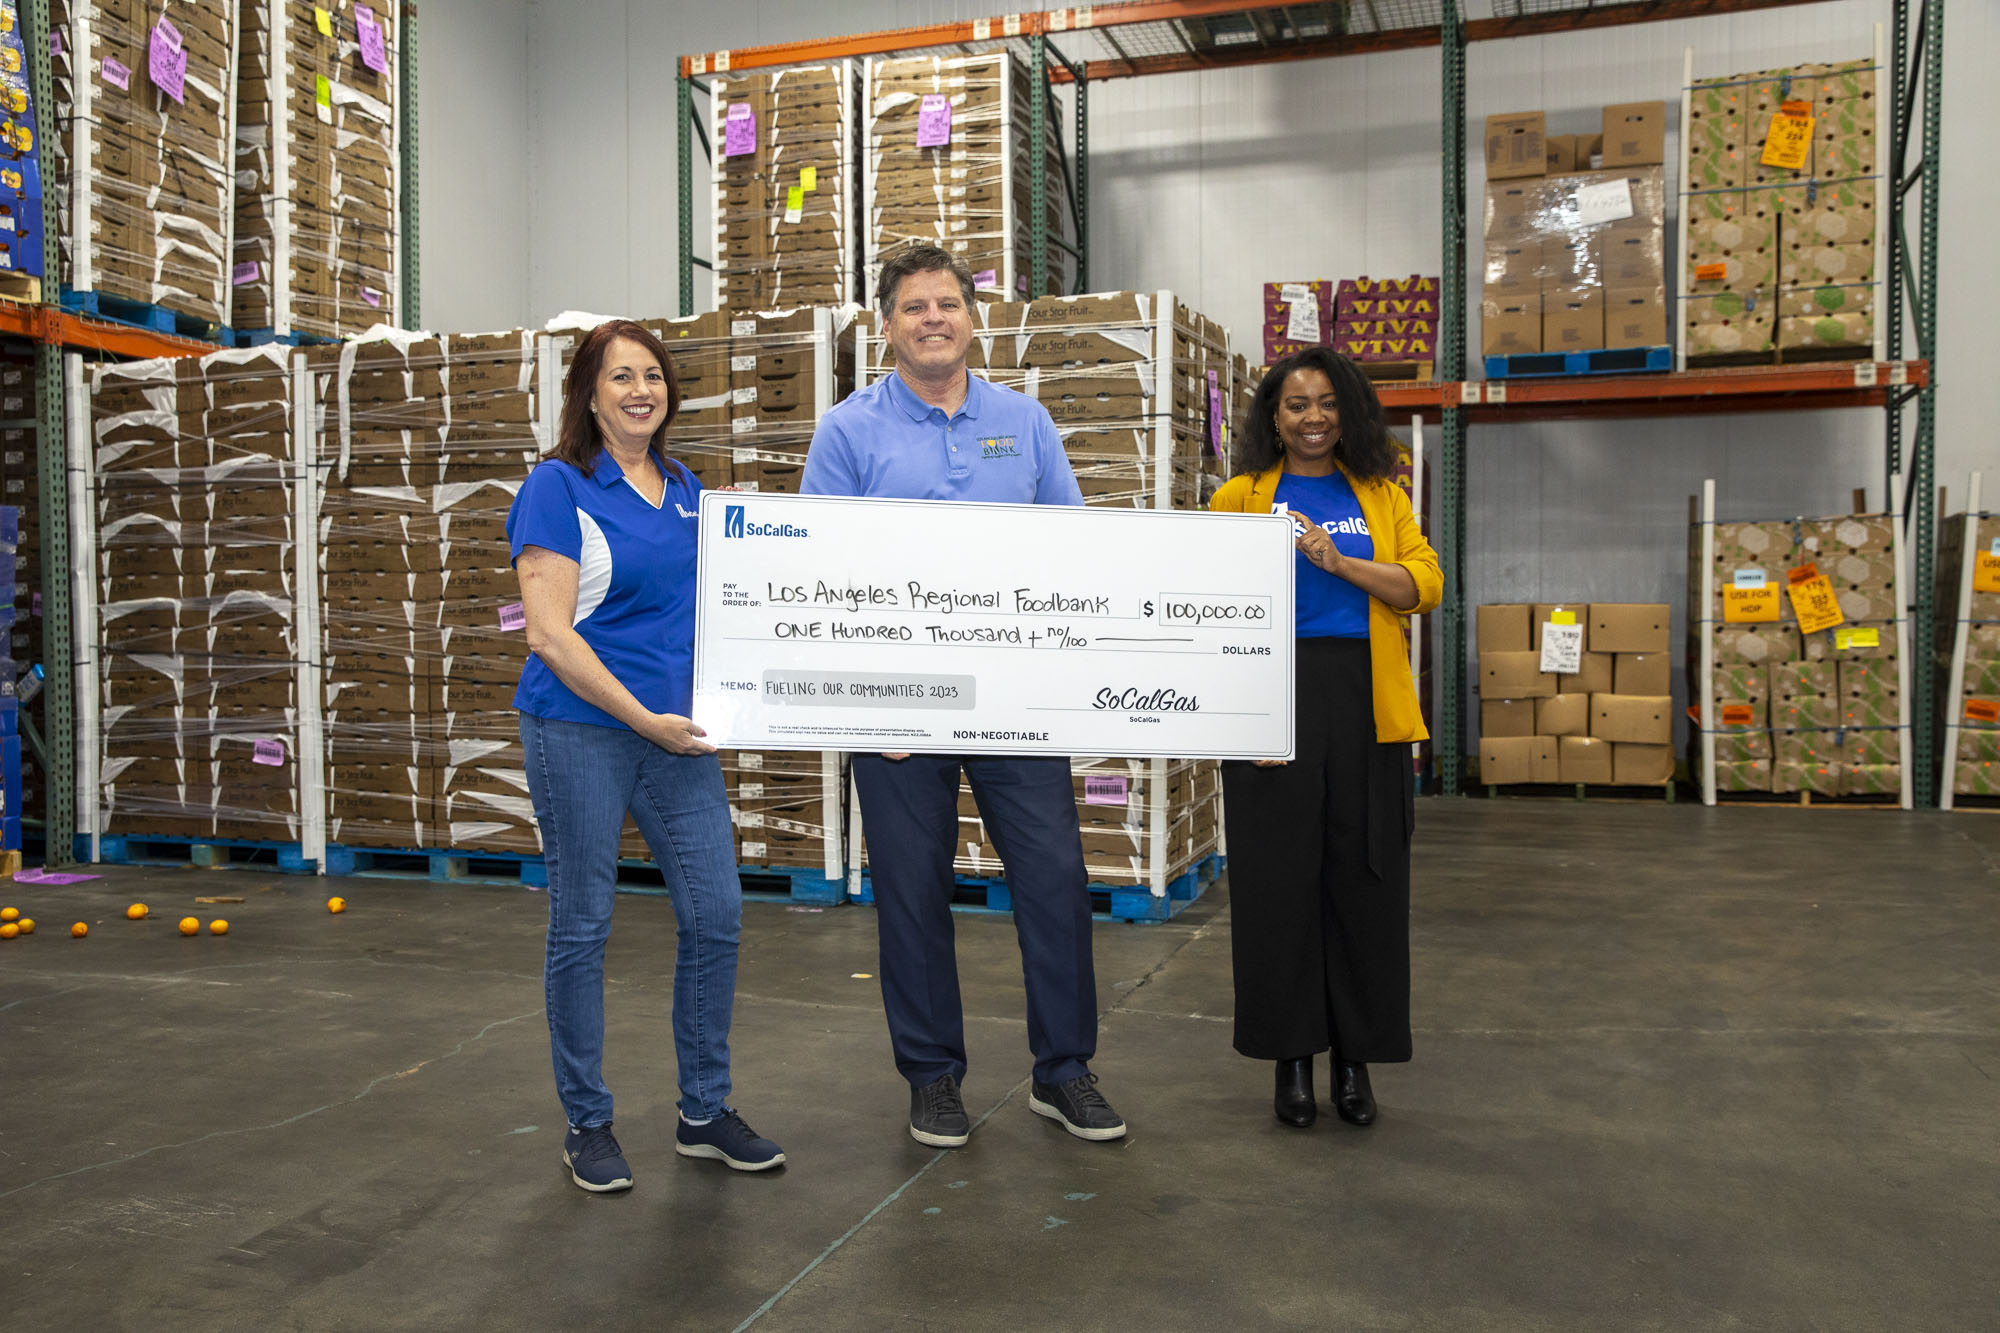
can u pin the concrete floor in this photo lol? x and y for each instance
(1675, 1068)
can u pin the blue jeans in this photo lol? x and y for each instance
(583, 779)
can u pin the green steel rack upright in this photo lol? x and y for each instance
(1448, 740)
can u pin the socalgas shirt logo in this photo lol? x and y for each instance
(1355, 527)
(734, 525)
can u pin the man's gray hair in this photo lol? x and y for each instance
(919, 259)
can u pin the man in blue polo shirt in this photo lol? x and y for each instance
(931, 431)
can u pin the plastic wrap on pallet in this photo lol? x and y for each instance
(319, 189)
(784, 186)
(947, 162)
(424, 441)
(199, 659)
(1094, 363)
(783, 804)
(1563, 252)
(20, 490)
(142, 158)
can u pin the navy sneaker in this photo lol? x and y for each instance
(727, 1139)
(1078, 1107)
(595, 1161)
(937, 1115)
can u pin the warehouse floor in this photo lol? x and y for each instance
(1676, 1069)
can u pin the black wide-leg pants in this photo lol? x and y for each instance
(1319, 876)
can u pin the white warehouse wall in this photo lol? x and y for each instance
(1212, 184)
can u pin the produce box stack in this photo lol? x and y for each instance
(1388, 325)
(1976, 771)
(783, 804)
(1609, 722)
(1132, 380)
(1297, 315)
(142, 163)
(20, 164)
(947, 162)
(199, 655)
(317, 158)
(1794, 711)
(1781, 196)
(784, 187)
(1575, 234)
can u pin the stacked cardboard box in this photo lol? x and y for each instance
(12, 794)
(1575, 252)
(785, 182)
(787, 808)
(1976, 770)
(426, 442)
(1138, 384)
(1610, 722)
(968, 187)
(1387, 321)
(20, 489)
(143, 162)
(1297, 315)
(1781, 258)
(318, 202)
(192, 492)
(1794, 712)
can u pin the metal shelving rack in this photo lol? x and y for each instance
(53, 331)
(1172, 36)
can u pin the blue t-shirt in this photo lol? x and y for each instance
(1328, 606)
(635, 581)
(886, 443)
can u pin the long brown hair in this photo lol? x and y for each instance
(578, 442)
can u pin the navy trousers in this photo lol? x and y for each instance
(909, 810)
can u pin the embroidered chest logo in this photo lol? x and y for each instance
(999, 446)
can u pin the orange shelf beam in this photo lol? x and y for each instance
(1738, 389)
(60, 328)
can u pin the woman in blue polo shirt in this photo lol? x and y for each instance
(603, 535)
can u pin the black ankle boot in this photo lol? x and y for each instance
(1352, 1096)
(1294, 1102)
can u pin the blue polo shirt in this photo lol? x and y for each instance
(886, 443)
(1328, 606)
(635, 581)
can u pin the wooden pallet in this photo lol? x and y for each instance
(1598, 361)
(1780, 356)
(1583, 791)
(1807, 800)
(23, 287)
(133, 849)
(117, 309)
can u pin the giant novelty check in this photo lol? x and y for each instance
(926, 626)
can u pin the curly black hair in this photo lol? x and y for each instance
(1364, 449)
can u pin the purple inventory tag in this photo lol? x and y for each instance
(372, 53)
(986, 277)
(39, 876)
(1214, 413)
(167, 61)
(115, 74)
(248, 271)
(268, 752)
(1106, 791)
(739, 130)
(55, 45)
(512, 617)
(934, 121)
(371, 296)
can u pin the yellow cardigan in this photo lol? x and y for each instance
(1386, 509)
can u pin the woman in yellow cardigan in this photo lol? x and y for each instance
(1319, 848)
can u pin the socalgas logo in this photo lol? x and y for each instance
(734, 525)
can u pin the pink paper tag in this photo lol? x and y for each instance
(115, 74)
(35, 605)
(372, 53)
(167, 61)
(986, 277)
(268, 752)
(512, 617)
(40, 876)
(1214, 413)
(739, 130)
(934, 121)
(55, 45)
(1106, 791)
(371, 296)
(248, 271)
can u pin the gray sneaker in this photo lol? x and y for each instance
(937, 1115)
(1078, 1107)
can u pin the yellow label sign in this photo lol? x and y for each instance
(1790, 140)
(1986, 571)
(1750, 606)
(324, 20)
(1562, 617)
(809, 179)
(1812, 599)
(1856, 636)
(322, 90)
(795, 198)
